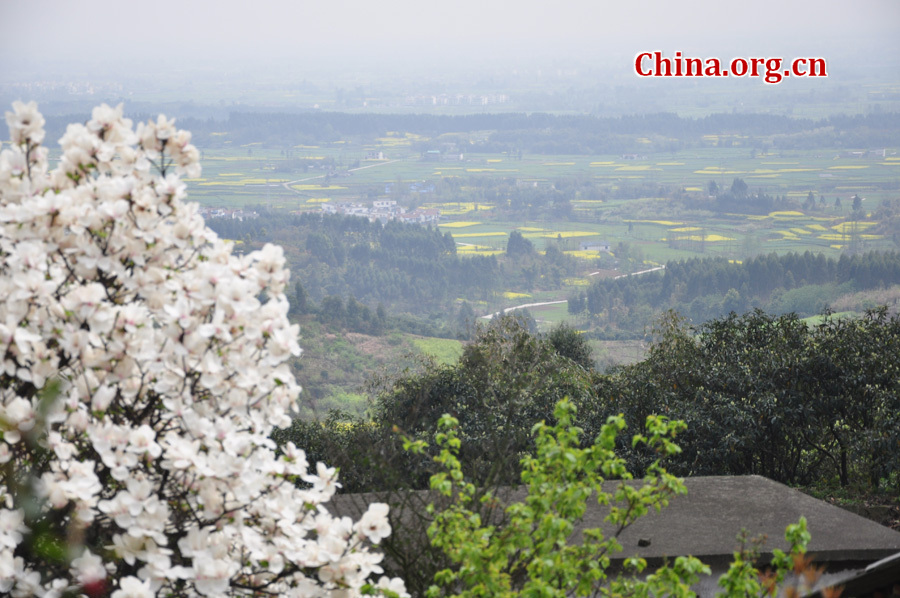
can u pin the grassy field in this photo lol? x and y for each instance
(334, 368)
(254, 175)
(445, 351)
(733, 236)
(656, 228)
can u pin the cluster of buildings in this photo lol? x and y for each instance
(878, 153)
(209, 213)
(383, 211)
(457, 99)
(598, 246)
(31, 89)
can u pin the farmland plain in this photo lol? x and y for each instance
(659, 226)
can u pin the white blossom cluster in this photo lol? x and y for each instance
(142, 369)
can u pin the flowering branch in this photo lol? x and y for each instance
(141, 377)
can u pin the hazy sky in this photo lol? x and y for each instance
(187, 30)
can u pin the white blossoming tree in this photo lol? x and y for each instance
(141, 376)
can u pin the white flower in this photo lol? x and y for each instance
(143, 440)
(166, 364)
(12, 526)
(16, 417)
(102, 397)
(88, 568)
(212, 576)
(395, 585)
(374, 523)
(25, 123)
(132, 587)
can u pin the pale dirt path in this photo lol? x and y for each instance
(523, 306)
(288, 184)
(527, 305)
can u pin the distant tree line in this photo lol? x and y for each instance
(771, 395)
(761, 394)
(739, 198)
(344, 267)
(705, 288)
(552, 134)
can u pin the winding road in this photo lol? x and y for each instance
(288, 184)
(527, 305)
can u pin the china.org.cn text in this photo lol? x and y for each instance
(771, 70)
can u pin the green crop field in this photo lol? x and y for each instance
(785, 173)
(445, 351)
(252, 175)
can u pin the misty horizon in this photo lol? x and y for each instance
(194, 52)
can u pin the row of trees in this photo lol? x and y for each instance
(555, 134)
(704, 288)
(773, 396)
(405, 268)
(760, 394)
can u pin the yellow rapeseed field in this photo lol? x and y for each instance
(849, 227)
(488, 234)
(477, 250)
(514, 295)
(587, 255)
(635, 168)
(577, 282)
(455, 209)
(660, 222)
(317, 187)
(458, 224)
(711, 238)
(567, 234)
(242, 182)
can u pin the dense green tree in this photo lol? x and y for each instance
(576, 304)
(465, 320)
(769, 395)
(739, 188)
(506, 380)
(332, 310)
(570, 343)
(530, 547)
(810, 202)
(299, 300)
(759, 394)
(518, 246)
